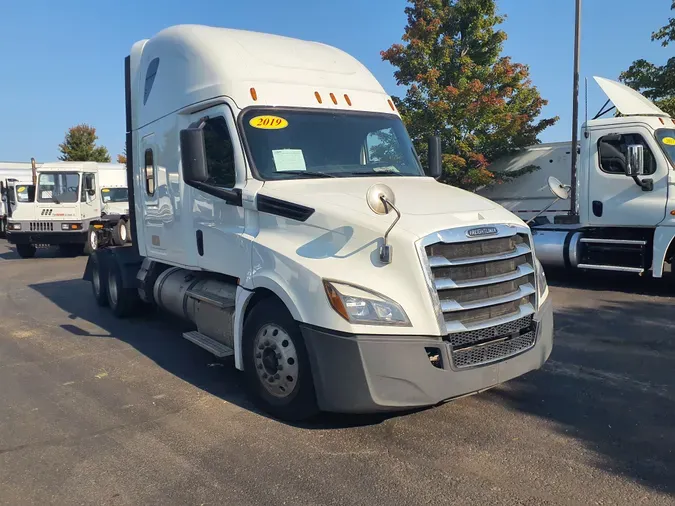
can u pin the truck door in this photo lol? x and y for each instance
(154, 234)
(216, 237)
(91, 204)
(615, 199)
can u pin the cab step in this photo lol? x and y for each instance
(617, 268)
(211, 345)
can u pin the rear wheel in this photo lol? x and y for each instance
(120, 233)
(276, 363)
(92, 241)
(99, 282)
(123, 301)
(26, 250)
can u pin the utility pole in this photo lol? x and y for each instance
(575, 106)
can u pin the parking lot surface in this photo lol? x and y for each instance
(95, 410)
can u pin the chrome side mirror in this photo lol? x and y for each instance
(635, 160)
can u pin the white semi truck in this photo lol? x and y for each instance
(69, 196)
(9, 172)
(624, 216)
(277, 203)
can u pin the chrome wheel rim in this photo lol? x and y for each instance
(112, 288)
(93, 242)
(275, 360)
(123, 232)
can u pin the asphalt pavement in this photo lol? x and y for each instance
(95, 410)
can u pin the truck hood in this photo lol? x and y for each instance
(426, 206)
(628, 101)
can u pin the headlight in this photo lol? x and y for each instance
(71, 226)
(542, 285)
(14, 226)
(360, 306)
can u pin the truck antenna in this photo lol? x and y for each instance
(575, 106)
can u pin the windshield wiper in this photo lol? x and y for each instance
(306, 173)
(374, 173)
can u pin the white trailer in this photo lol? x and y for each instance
(68, 198)
(624, 219)
(277, 204)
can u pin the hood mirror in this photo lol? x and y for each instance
(558, 189)
(381, 199)
(561, 192)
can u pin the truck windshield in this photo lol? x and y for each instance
(291, 144)
(112, 195)
(58, 187)
(666, 138)
(25, 193)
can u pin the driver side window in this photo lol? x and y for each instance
(612, 151)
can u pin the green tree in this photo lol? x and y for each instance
(460, 87)
(656, 82)
(80, 146)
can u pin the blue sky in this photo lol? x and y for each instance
(62, 60)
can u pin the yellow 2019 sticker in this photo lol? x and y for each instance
(268, 122)
(670, 141)
(21, 189)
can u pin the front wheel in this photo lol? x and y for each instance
(92, 241)
(276, 363)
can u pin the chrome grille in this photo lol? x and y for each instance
(41, 226)
(486, 290)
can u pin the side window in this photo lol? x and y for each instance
(83, 189)
(612, 151)
(219, 153)
(149, 172)
(382, 146)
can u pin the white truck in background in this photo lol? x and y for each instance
(10, 172)
(266, 210)
(69, 196)
(624, 219)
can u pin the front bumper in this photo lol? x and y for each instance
(53, 238)
(362, 373)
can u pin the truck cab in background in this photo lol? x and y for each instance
(277, 204)
(624, 219)
(67, 199)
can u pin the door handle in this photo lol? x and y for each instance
(597, 208)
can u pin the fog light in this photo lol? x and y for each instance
(65, 226)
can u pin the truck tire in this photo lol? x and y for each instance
(92, 241)
(99, 282)
(120, 233)
(276, 364)
(123, 301)
(26, 250)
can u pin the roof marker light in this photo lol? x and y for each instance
(254, 94)
(318, 97)
(332, 97)
(349, 102)
(391, 104)
(662, 122)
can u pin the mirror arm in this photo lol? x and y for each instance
(386, 249)
(647, 185)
